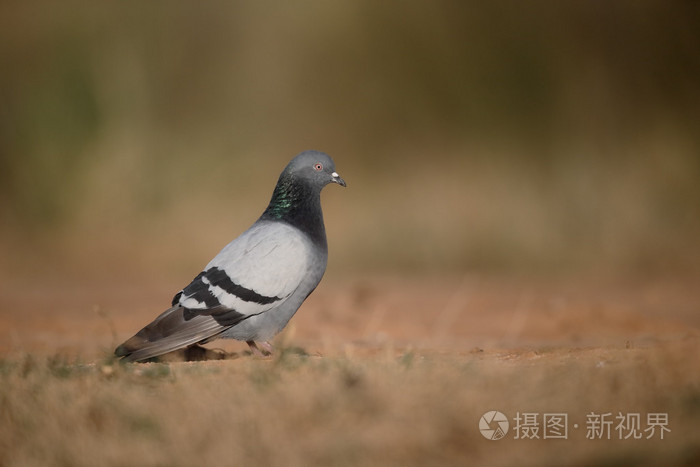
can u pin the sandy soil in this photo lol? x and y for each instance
(380, 370)
(448, 314)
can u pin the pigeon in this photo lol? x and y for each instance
(255, 284)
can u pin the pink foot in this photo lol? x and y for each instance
(266, 348)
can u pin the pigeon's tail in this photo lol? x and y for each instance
(174, 329)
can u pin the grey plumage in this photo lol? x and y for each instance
(252, 288)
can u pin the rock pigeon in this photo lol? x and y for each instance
(256, 283)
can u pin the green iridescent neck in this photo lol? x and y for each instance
(286, 197)
(299, 204)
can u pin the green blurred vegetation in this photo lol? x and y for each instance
(496, 135)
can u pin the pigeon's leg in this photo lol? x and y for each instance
(266, 348)
(196, 352)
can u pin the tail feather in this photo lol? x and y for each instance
(169, 331)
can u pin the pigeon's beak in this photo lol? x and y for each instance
(336, 179)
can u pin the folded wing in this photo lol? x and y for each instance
(253, 274)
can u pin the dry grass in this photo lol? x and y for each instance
(382, 408)
(372, 371)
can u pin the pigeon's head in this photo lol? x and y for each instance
(317, 168)
(297, 195)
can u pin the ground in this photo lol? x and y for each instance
(385, 369)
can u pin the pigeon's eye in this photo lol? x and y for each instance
(318, 166)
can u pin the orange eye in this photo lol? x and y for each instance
(318, 166)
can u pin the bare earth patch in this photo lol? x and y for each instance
(374, 370)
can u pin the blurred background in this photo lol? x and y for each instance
(523, 183)
(138, 138)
